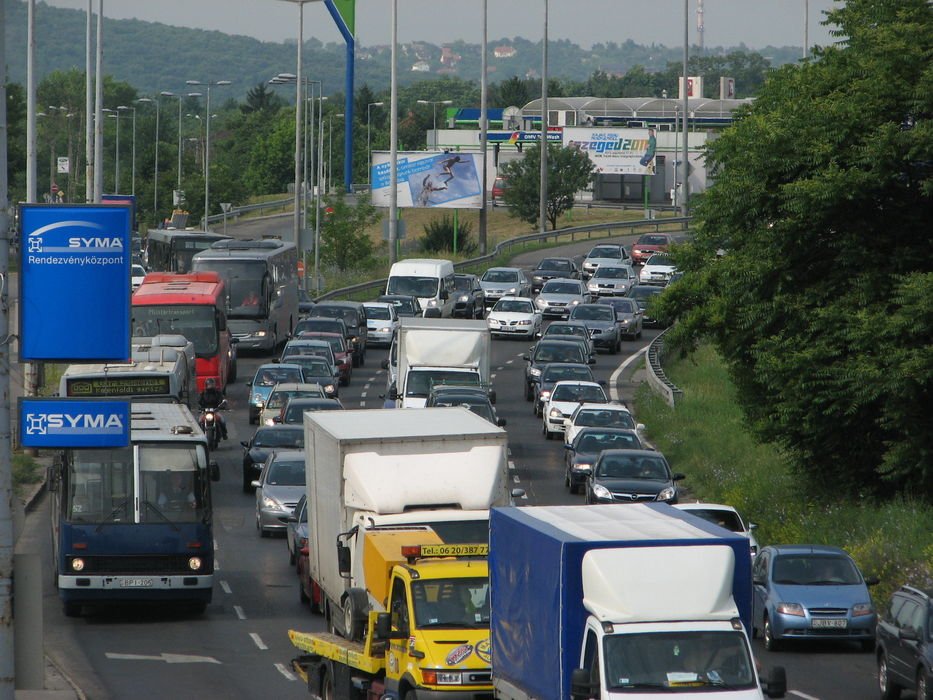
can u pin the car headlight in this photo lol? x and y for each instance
(271, 503)
(259, 400)
(601, 491)
(544, 395)
(555, 413)
(534, 372)
(77, 564)
(575, 302)
(541, 303)
(432, 302)
(260, 334)
(258, 465)
(329, 389)
(524, 323)
(386, 329)
(666, 494)
(795, 609)
(624, 321)
(860, 609)
(584, 467)
(463, 299)
(512, 290)
(194, 563)
(537, 278)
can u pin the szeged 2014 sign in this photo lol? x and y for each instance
(74, 283)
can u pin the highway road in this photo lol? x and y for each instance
(239, 648)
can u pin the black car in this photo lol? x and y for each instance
(582, 453)
(293, 412)
(265, 440)
(550, 268)
(642, 294)
(475, 398)
(600, 320)
(305, 303)
(353, 315)
(404, 304)
(469, 297)
(556, 372)
(904, 644)
(631, 476)
(545, 352)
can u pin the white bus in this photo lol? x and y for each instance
(261, 281)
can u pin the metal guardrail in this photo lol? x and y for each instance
(657, 380)
(237, 212)
(619, 228)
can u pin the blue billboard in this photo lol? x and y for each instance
(74, 283)
(74, 423)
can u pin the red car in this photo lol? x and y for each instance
(308, 590)
(342, 353)
(649, 244)
(499, 186)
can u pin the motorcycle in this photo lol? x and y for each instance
(209, 420)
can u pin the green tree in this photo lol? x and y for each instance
(823, 303)
(569, 171)
(511, 92)
(261, 99)
(344, 241)
(439, 236)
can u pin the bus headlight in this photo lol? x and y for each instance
(77, 564)
(194, 563)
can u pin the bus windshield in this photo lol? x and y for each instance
(197, 323)
(246, 285)
(101, 485)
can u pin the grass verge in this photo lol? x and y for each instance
(705, 438)
(26, 471)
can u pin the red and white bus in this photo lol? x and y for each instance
(191, 305)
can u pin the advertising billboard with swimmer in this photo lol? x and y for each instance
(429, 179)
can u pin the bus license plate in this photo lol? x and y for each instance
(829, 623)
(136, 582)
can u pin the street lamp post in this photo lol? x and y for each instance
(207, 141)
(114, 114)
(124, 108)
(330, 144)
(369, 153)
(155, 178)
(435, 103)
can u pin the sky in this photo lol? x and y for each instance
(756, 23)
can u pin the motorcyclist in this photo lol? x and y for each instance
(212, 397)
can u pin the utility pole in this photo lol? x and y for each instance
(483, 127)
(542, 204)
(393, 139)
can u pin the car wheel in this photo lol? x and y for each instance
(291, 559)
(886, 687)
(247, 483)
(924, 685)
(616, 346)
(771, 644)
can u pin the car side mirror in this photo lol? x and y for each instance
(385, 364)
(776, 685)
(591, 361)
(639, 426)
(244, 444)
(908, 634)
(753, 526)
(500, 422)
(580, 686)
(872, 581)
(603, 382)
(393, 394)
(254, 484)
(343, 560)
(492, 396)
(567, 422)
(678, 477)
(526, 358)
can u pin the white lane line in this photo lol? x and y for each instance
(362, 404)
(520, 354)
(511, 465)
(216, 563)
(492, 376)
(238, 609)
(802, 695)
(516, 480)
(258, 641)
(362, 393)
(508, 362)
(367, 385)
(226, 587)
(216, 547)
(281, 668)
(613, 392)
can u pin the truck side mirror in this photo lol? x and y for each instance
(343, 560)
(580, 688)
(383, 626)
(776, 685)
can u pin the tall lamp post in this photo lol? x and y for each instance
(330, 143)
(124, 108)
(155, 178)
(207, 142)
(115, 114)
(369, 152)
(435, 104)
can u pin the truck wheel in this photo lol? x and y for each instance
(355, 613)
(327, 687)
(71, 609)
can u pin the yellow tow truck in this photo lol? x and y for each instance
(426, 625)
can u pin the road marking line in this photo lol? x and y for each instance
(520, 354)
(216, 564)
(226, 587)
(492, 376)
(516, 480)
(613, 392)
(239, 612)
(367, 385)
(362, 393)
(508, 362)
(215, 546)
(362, 404)
(258, 641)
(511, 465)
(802, 695)
(285, 672)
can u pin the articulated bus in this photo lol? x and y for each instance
(134, 524)
(169, 250)
(194, 306)
(261, 278)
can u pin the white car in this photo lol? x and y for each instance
(563, 401)
(657, 270)
(137, 275)
(612, 280)
(605, 254)
(559, 295)
(382, 322)
(599, 415)
(514, 316)
(724, 516)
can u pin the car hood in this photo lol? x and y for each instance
(659, 268)
(259, 454)
(566, 407)
(601, 325)
(283, 494)
(833, 596)
(549, 273)
(499, 285)
(602, 261)
(635, 485)
(508, 316)
(560, 298)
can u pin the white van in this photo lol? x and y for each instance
(432, 281)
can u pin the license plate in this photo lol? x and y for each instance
(136, 582)
(829, 623)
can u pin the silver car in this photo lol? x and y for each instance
(628, 314)
(605, 254)
(278, 490)
(612, 280)
(559, 296)
(498, 282)
(382, 321)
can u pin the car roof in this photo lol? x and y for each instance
(297, 386)
(508, 298)
(379, 304)
(632, 453)
(558, 324)
(507, 269)
(309, 342)
(808, 549)
(279, 426)
(576, 382)
(604, 406)
(558, 342)
(464, 274)
(289, 454)
(339, 304)
(277, 365)
(564, 279)
(698, 505)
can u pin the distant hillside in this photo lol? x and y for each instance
(153, 57)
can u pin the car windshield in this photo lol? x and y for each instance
(270, 376)
(621, 306)
(315, 367)
(561, 288)
(644, 292)
(604, 418)
(403, 306)
(320, 325)
(581, 393)
(279, 398)
(378, 313)
(594, 312)
(500, 276)
(632, 467)
(560, 329)
(593, 442)
(463, 284)
(296, 350)
(650, 239)
(286, 473)
(550, 353)
(349, 316)
(613, 273)
(277, 437)
(815, 570)
(456, 602)
(659, 260)
(723, 518)
(419, 382)
(514, 307)
(553, 264)
(606, 252)
(423, 287)
(557, 373)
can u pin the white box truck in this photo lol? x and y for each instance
(440, 467)
(439, 351)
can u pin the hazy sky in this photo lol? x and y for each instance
(756, 23)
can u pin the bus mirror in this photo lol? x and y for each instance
(52, 478)
(215, 470)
